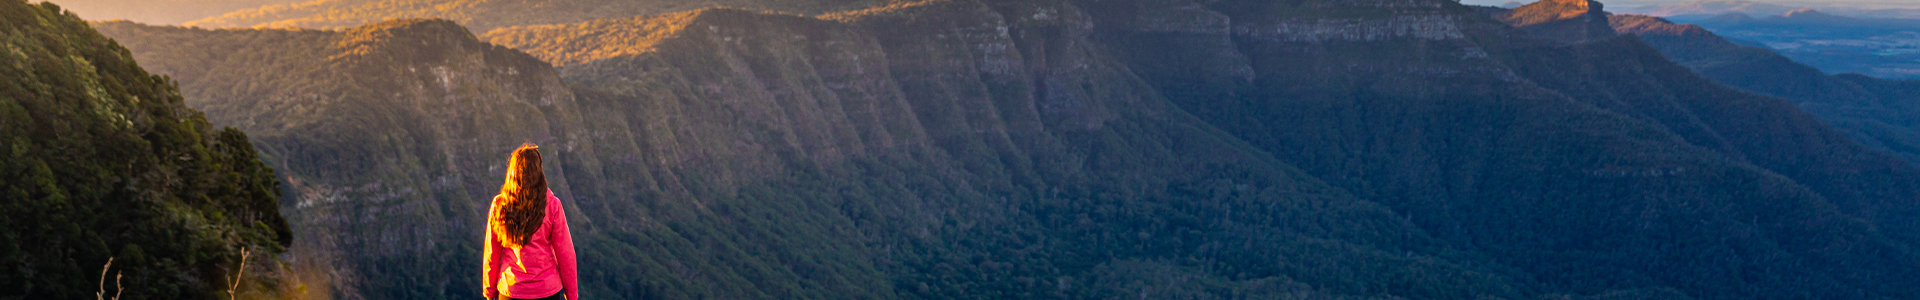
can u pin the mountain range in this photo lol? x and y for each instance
(798, 164)
(1875, 112)
(1164, 149)
(1877, 47)
(1856, 9)
(1712, 7)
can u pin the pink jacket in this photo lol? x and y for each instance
(540, 268)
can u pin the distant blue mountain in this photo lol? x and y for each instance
(1877, 47)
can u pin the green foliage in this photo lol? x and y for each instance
(104, 160)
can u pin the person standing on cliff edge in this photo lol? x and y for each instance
(529, 249)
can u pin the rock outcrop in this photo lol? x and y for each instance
(1561, 20)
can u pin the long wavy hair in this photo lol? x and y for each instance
(522, 203)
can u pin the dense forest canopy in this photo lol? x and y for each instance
(105, 161)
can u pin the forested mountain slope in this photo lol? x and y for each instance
(1884, 114)
(1631, 78)
(1228, 149)
(1591, 165)
(104, 161)
(775, 156)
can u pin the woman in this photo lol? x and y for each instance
(529, 250)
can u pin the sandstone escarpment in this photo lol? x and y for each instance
(1561, 20)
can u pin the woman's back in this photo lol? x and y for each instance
(529, 250)
(541, 267)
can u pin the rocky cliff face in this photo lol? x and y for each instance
(1026, 149)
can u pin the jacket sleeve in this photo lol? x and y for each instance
(563, 248)
(490, 260)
